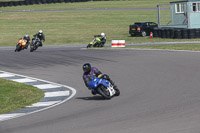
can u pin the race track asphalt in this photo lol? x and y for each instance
(160, 90)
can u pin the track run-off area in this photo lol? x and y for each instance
(159, 90)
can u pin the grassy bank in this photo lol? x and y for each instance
(78, 27)
(193, 47)
(14, 96)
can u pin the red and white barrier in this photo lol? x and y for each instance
(118, 43)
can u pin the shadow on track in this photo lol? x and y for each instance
(92, 98)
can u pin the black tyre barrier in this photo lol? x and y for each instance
(66, 1)
(171, 31)
(5, 4)
(37, 2)
(21, 3)
(163, 35)
(177, 34)
(49, 1)
(191, 33)
(155, 33)
(197, 33)
(159, 33)
(10, 4)
(60, 1)
(184, 33)
(44, 1)
(167, 33)
(31, 2)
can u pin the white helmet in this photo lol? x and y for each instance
(103, 34)
(40, 32)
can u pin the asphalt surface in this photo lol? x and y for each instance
(159, 91)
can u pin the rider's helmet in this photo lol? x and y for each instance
(40, 32)
(103, 35)
(87, 67)
(26, 37)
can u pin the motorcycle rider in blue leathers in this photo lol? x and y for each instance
(88, 75)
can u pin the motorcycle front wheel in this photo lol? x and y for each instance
(89, 45)
(31, 48)
(18, 47)
(103, 91)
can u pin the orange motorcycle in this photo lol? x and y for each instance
(20, 45)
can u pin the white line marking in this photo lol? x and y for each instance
(4, 75)
(24, 114)
(24, 80)
(47, 86)
(7, 116)
(57, 94)
(43, 104)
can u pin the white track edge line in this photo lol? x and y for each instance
(72, 89)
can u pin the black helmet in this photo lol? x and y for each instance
(86, 67)
(26, 37)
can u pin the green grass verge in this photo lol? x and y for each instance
(14, 96)
(78, 27)
(193, 47)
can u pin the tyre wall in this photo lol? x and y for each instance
(176, 33)
(31, 2)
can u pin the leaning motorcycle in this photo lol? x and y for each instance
(102, 87)
(35, 43)
(95, 43)
(20, 45)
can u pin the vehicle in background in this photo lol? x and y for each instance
(142, 28)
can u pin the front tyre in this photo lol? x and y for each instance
(18, 47)
(117, 92)
(103, 91)
(31, 48)
(89, 45)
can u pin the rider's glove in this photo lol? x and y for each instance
(100, 76)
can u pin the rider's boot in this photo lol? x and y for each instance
(93, 93)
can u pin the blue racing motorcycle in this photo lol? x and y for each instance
(102, 87)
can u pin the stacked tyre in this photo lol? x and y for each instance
(197, 33)
(155, 32)
(191, 33)
(177, 34)
(184, 33)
